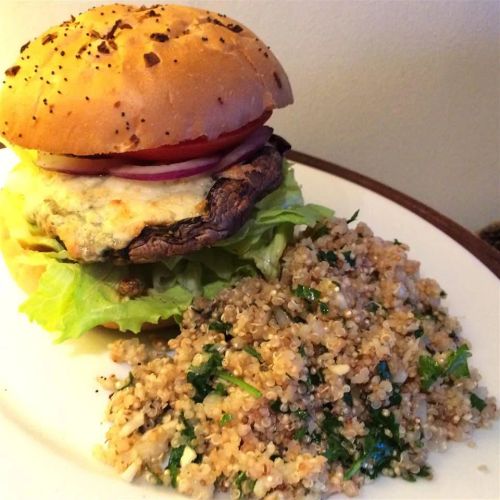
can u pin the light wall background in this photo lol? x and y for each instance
(406, 92)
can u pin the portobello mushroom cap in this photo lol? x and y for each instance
(229, 204)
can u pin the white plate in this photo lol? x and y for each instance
(51, 414)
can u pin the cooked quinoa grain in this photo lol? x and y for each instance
(346, 368)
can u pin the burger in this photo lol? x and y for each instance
(147, 175)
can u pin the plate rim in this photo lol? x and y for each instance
(485, 253)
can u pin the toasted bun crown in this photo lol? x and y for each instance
(121, 78)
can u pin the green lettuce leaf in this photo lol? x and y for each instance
(73, 298)
(265, 235)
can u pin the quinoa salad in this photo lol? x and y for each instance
(345, 368)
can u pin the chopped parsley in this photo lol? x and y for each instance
(300, 433)
(329, 256)
(353, 217)
(476, 402)
(225, 419)
(396, 242)
(429, 370)
(319, 231)
(347, 397)
(253, 352)
(372, 307)
(323, 307)
(307, 293)
(244, 485)
(418, 333)
(276, 406)
(203, 376)
(383, 370)
(174, 463)
(220, 389)
(456, 363)
(315, 379)
(211, 348)
(381, 445)
(188, 431)
(422, 316)
(301, 414)
(220, 326)
(395, 398)
(425, 471)
(349, 258)
(229, 377)
(311, 296)
(454, 366)
(337, 445)
(315, 437)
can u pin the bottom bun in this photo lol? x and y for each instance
(146, 327)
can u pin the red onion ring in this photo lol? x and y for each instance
(116, 168)
(166, 172)
(76, 165)
(243, 151)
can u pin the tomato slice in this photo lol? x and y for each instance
(196, 148)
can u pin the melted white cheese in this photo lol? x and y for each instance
(92, 214)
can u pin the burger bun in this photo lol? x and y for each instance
(121, 78)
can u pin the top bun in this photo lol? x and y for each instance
(122, 78)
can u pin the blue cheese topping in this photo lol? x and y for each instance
(91, 214)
